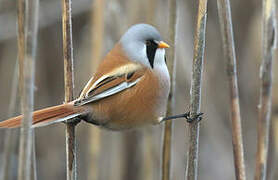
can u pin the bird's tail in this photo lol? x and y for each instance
(46, 116)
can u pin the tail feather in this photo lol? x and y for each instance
(46, 116)
(56, 119)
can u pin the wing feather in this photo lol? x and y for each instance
(111, 85)
(109, 92)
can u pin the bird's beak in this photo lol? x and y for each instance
(162, 44)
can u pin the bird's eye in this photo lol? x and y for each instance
(149, 42)
(151, 47)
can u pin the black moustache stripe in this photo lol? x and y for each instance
(151, 49)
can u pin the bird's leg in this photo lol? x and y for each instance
(197, 117)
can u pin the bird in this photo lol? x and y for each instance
(130, 88)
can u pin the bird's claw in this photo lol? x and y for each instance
(196, 118)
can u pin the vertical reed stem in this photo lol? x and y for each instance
(21, 40)
(97, 32)
(269, 44)
(10, 135)
(27, 32)
(224, 13)
(167, 139)
(97, 46)
(69, 85)
(34, 159)
(195, 100)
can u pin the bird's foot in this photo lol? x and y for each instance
(196, 118)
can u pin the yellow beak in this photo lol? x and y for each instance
(162, 44)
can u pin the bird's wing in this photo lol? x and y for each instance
(112, 83)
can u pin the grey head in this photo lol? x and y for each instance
(141, 44)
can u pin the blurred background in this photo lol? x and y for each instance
(105, 155)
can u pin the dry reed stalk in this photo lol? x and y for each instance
(132, 157)
(27, 32)
(151, 6)
(274, 121)
(97, 32)
(274, 128)
(34, 160)
(10, 135)
(94, 163)
(97, 46)
(171, 62)
(264, 108)
(21, 40)
(69, 85)
(148, 171)
(195, 100)
(224, 13)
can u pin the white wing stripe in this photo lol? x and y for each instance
(94, 85)
(125, 69)
(109, 92)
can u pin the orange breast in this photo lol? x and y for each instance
(133, 107)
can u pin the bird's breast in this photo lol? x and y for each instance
(164, 88)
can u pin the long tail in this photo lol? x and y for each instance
(46, 116)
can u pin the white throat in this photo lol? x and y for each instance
(159, 59)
